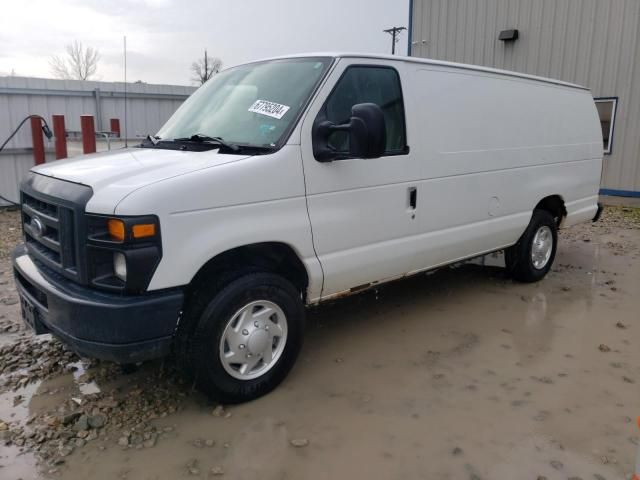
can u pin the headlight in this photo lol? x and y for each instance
(120, 266)
(122, 252)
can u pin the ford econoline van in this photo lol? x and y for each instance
(287, 182)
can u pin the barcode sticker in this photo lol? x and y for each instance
(270, 109)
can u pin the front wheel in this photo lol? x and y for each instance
(531, 258)
(247, 338)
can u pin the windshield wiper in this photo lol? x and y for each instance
(200, 138)
(150, 139)
(153, 139)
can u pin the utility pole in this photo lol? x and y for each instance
(126, 144)
(394, 32)
(206, 65)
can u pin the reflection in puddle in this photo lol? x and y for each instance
(15, 409)
(18, 407)
(79, 376)
(534, 333)
(537, 311)
(14, 405)
(15, 464)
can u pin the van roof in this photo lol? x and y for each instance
(428, 61)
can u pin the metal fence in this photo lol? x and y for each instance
(148, 107)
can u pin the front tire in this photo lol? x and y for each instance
(247, 338)
(531, 258)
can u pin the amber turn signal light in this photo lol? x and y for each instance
(116, 229)
(144, 230)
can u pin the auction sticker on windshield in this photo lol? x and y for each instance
(270, 109)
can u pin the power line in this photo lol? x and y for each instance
(45, 129)
(394, 32)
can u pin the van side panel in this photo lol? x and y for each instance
(491, 147)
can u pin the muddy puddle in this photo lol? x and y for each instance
(461, 374)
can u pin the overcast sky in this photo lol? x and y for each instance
(165, 36)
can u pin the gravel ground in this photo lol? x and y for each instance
(10, 232)
(10, 235)
(66, 417)
(121, 413)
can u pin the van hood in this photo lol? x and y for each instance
(113, 175)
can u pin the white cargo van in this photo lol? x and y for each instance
(287, 182)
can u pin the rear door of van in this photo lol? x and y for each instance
(362, 211)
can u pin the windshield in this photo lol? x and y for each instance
(253, 104)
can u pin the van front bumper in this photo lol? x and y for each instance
(123, 329)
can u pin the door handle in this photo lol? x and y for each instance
(413, 198)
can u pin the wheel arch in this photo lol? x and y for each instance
(275, 257)
(554, 204)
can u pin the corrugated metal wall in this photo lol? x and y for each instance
(148, 107)
(590, 42)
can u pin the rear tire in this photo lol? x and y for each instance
(531, 258)
(246, 338)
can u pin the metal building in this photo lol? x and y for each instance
(148, 107)
(595, 43)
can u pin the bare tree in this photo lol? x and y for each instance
(78, 63)
(205, 68)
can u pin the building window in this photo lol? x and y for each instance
(607, 107)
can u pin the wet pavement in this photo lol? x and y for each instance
(460, 374)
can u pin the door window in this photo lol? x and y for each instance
(366, 84)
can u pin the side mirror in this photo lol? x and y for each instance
(367, 134)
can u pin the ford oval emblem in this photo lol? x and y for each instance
(37, 227)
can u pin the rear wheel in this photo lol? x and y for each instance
(247, 338)
(531, 258)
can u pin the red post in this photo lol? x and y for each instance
(115, 126)
(38, 140)
(60, 134)
(88, 134)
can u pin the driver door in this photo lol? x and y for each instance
(362, 211)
